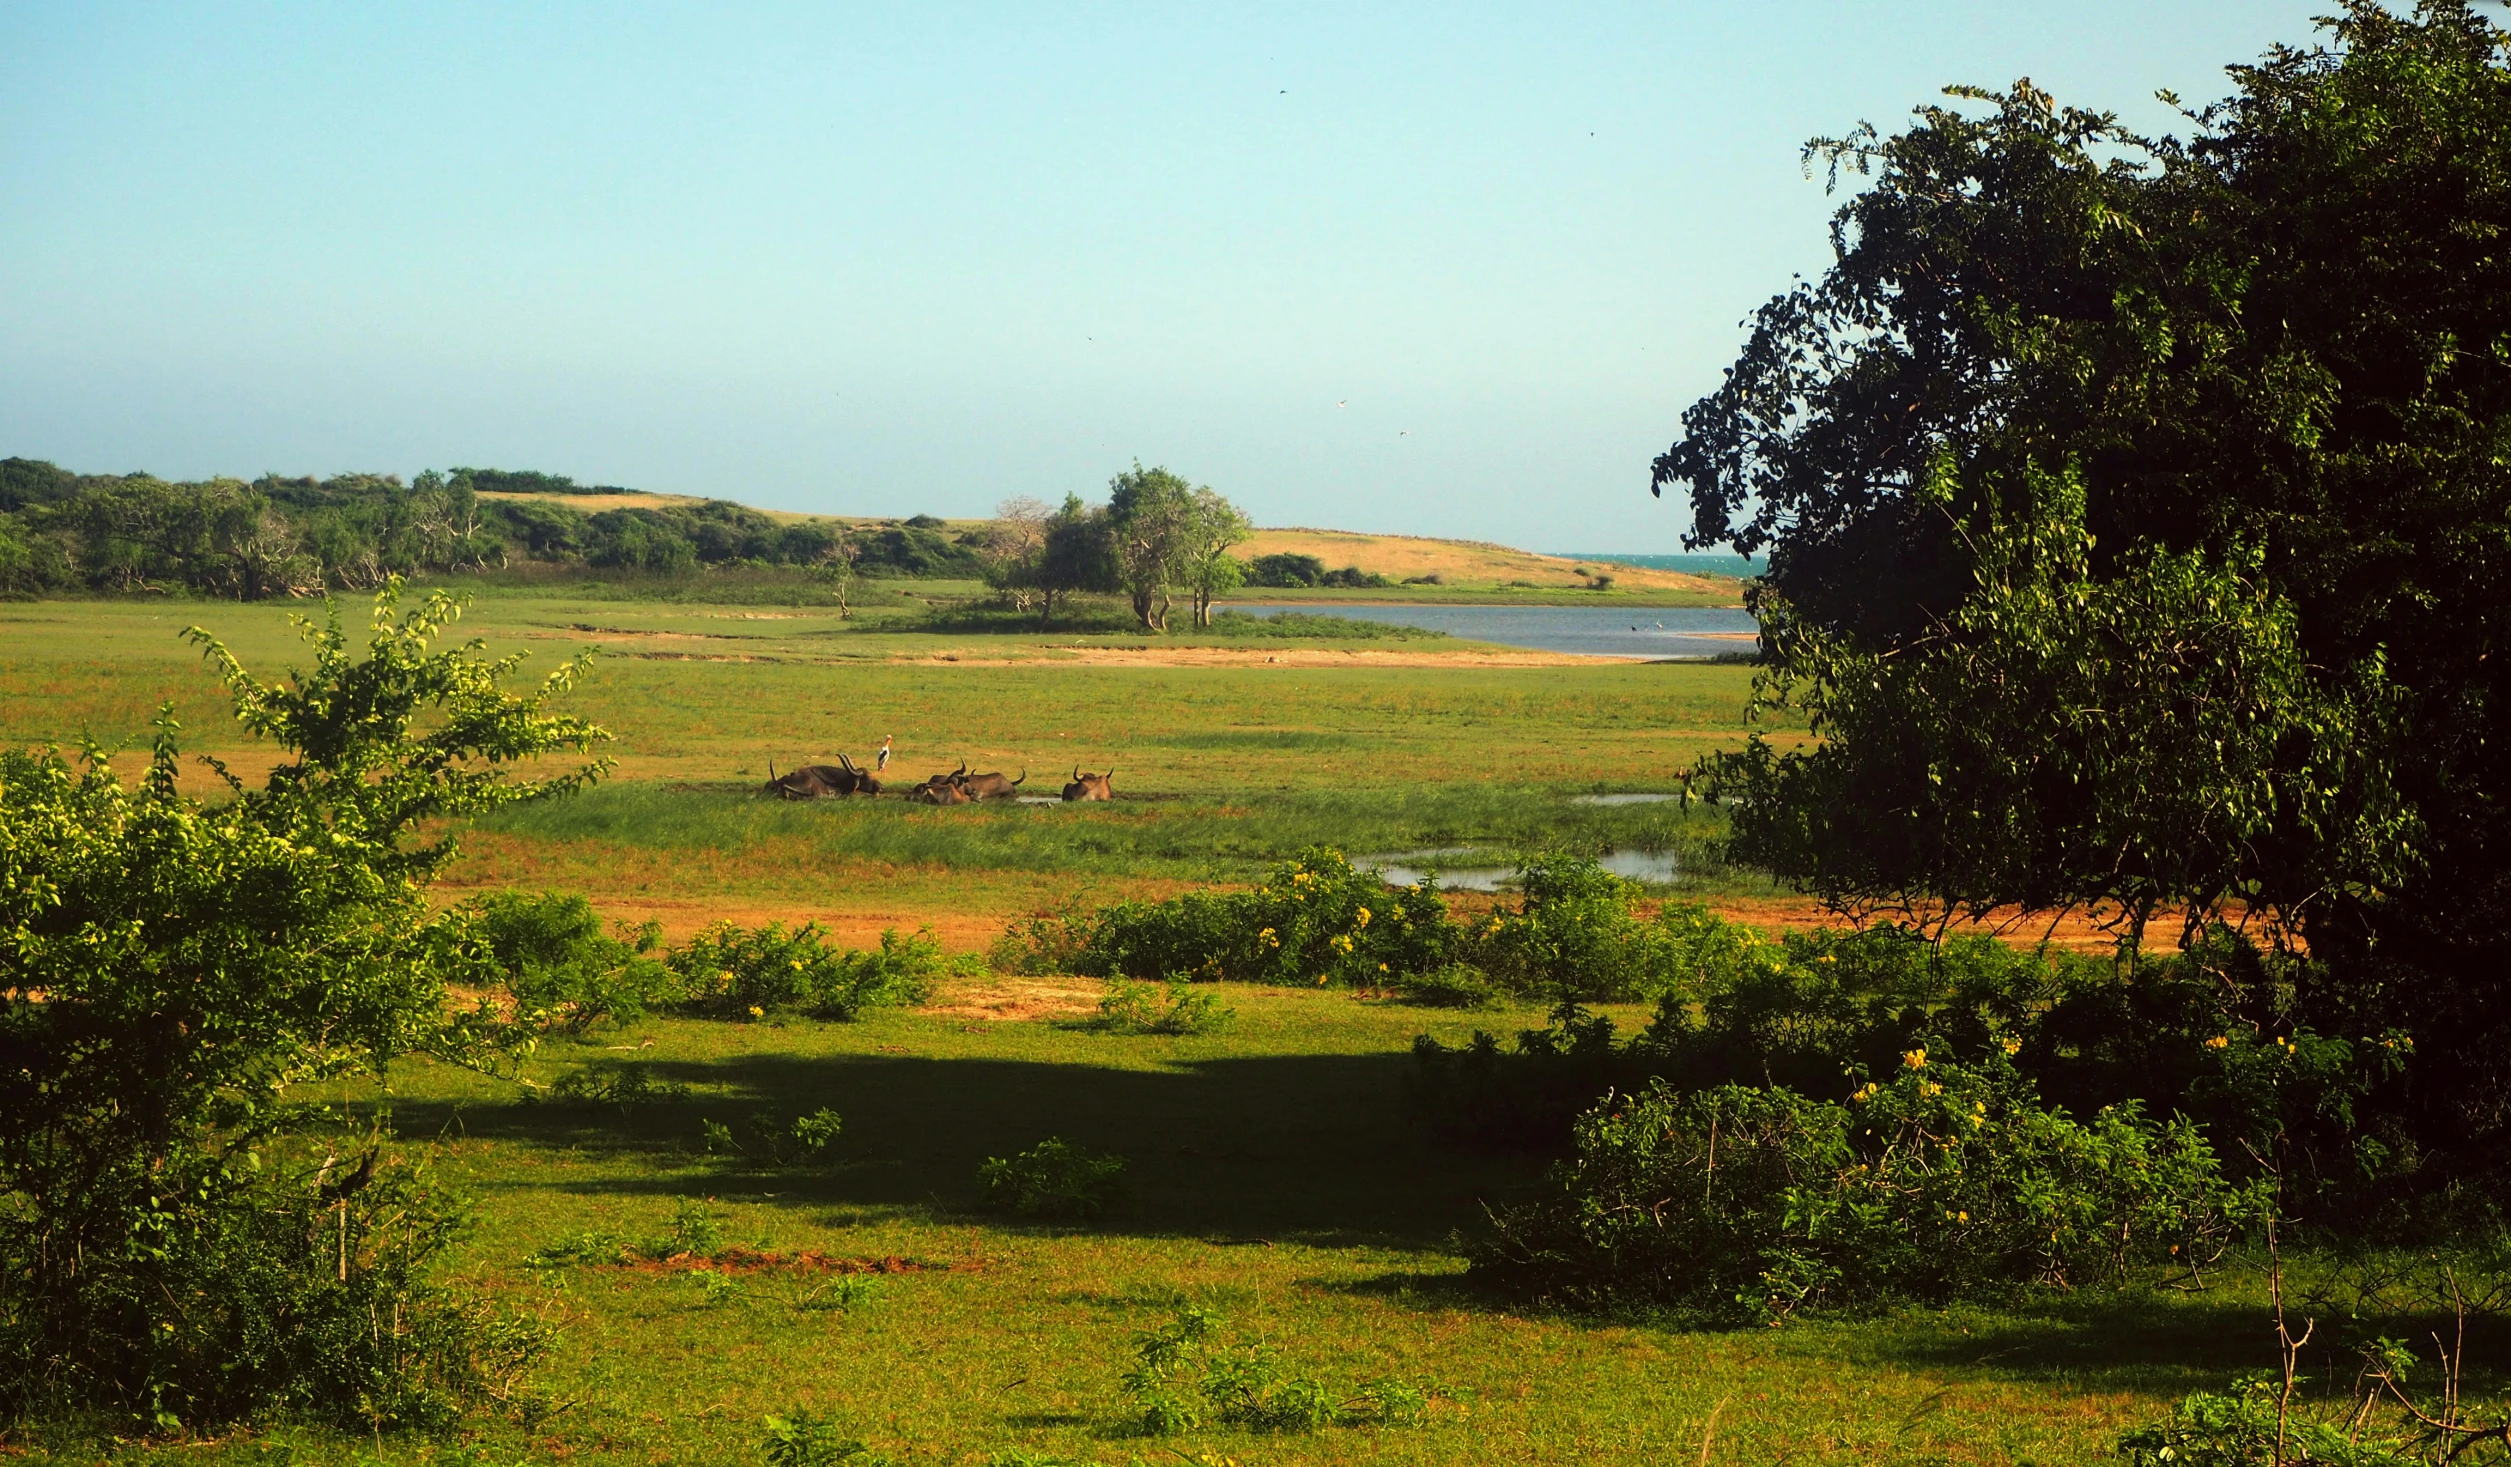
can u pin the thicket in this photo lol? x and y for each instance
(562, 970)
(181, 1244)
(1940, 1181)
(731, 972)
(1289, 570)
(1318, 920)
(2212, 1033)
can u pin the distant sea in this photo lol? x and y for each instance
(1719, 563)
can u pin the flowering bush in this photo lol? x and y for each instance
(1315, 920)
(1574, 935)
(730, 972)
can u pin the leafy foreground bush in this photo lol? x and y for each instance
(1181, 1378)
(729, 972)
(170, 972)
(562, 968)
(1948, 1181)
(1053, 1179)
(2395, 1408)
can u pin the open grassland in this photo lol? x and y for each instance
(1274, 1171)
(1273, 1175)
(1220, 768)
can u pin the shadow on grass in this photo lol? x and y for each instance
(1313, 1149)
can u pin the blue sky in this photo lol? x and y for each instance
(1441, 269)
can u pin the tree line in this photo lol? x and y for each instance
(1156, 540)
(61, 531)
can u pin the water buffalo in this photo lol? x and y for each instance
(992, 786)
(1090, 786)
(865, 782)
(810, 782)
(941, 789)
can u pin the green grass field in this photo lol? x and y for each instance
(1221, 766)
(1275, 1173)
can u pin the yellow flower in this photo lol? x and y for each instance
(797, 965)
(1862, 1096)
(1931, 1088)
(2219, 1041)
(1916, 1059)
(1382, 967)
(1961, 1217)
(756, 1012)
(1363, 917)
(2013, 1046)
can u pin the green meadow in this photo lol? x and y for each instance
(1274, 1176)
(1274, 1171)
(1222, 766)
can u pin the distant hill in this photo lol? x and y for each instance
(1405, 557)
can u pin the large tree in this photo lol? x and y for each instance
(2273, 361)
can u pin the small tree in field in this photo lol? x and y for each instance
(1150, 519)
(173, 971)
(1207, 569)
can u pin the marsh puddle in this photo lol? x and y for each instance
(1467, 868)
(1627, 799)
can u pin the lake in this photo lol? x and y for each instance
(1656, 632)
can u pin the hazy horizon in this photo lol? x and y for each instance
(1403, 270)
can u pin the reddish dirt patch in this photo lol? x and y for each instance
(745, 1260)
(1002, 1000)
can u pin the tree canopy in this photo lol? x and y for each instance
(2264, 372)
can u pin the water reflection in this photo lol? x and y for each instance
(1468, 868)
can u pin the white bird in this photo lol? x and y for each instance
(1346, 402)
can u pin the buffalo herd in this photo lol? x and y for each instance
(845, 779)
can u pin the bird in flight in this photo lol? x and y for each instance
(1346, 402)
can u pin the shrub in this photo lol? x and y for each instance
(562, 970)
(1455, 986)
(731, 972)
(1053, 1179)
(1137, 1008)
(1948, 1181)
(1525, 1097)
(1574, 935)
(1055, 941)
(1181, 1377)
(1315, 919)
(622, 1085)
(800, 1439)
(1813, 1006)
(798, 1142)
(171, 971)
